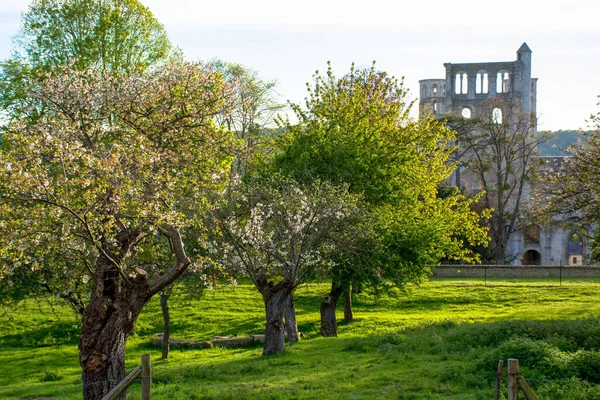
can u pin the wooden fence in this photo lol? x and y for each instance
(145, 371)
(516, 382)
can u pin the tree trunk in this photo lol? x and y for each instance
(291, 326)
(328, 307)
(348, 317)
(275, 297)
(107, 321)
(115, 303)
(500, 252)
(164, 305)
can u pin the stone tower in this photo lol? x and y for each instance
(468, 85)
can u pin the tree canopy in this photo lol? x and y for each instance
(356, 130)
(86, 187)
(253, 107)
(117, 35)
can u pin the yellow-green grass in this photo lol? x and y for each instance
(436, 341)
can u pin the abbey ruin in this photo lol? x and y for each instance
(497, 91)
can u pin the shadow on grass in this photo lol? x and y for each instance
(427, 361)
(59, 333)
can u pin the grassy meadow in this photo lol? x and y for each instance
(441, 340)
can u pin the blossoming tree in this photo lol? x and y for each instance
(111, 163)
(275, 232)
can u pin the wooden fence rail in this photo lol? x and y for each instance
(145, 371)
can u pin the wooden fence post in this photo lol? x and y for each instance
(513, 371)
(146, 377)
(498, 379)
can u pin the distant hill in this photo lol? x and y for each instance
(559, 141)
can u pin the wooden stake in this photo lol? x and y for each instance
(498, 379)
(513, 372)
(146, 377)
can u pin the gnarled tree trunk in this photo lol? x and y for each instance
(291, 326)
(328, 308)
(275, 297)
(107, 321)
(110, 316)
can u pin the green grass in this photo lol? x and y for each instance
(438, 341)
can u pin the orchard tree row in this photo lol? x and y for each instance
(124, 166)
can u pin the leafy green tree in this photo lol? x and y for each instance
(571, 188)
(356, 130)
(119, 36)
(251, 114)
(85, 189)
(276, 231)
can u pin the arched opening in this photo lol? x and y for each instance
(434, 90)
(505, 83)
(497, 116)
(531, 257)
(481, 82)
(435, 107)
(575, 249)
(485, 84)
(502, 82)
(457, 84)
(466, 112)
(531, 235)
(461, 83)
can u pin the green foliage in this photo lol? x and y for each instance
(112, 159)
(570, 188)
(251, 111)
(567, 389)
(355, 130)
(116, 35)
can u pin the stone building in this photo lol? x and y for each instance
(468, 86)
(467, 90)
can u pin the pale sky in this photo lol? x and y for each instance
(288, 41)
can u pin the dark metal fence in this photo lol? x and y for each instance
(515, 272)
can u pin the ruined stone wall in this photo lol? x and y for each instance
(517, 271)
